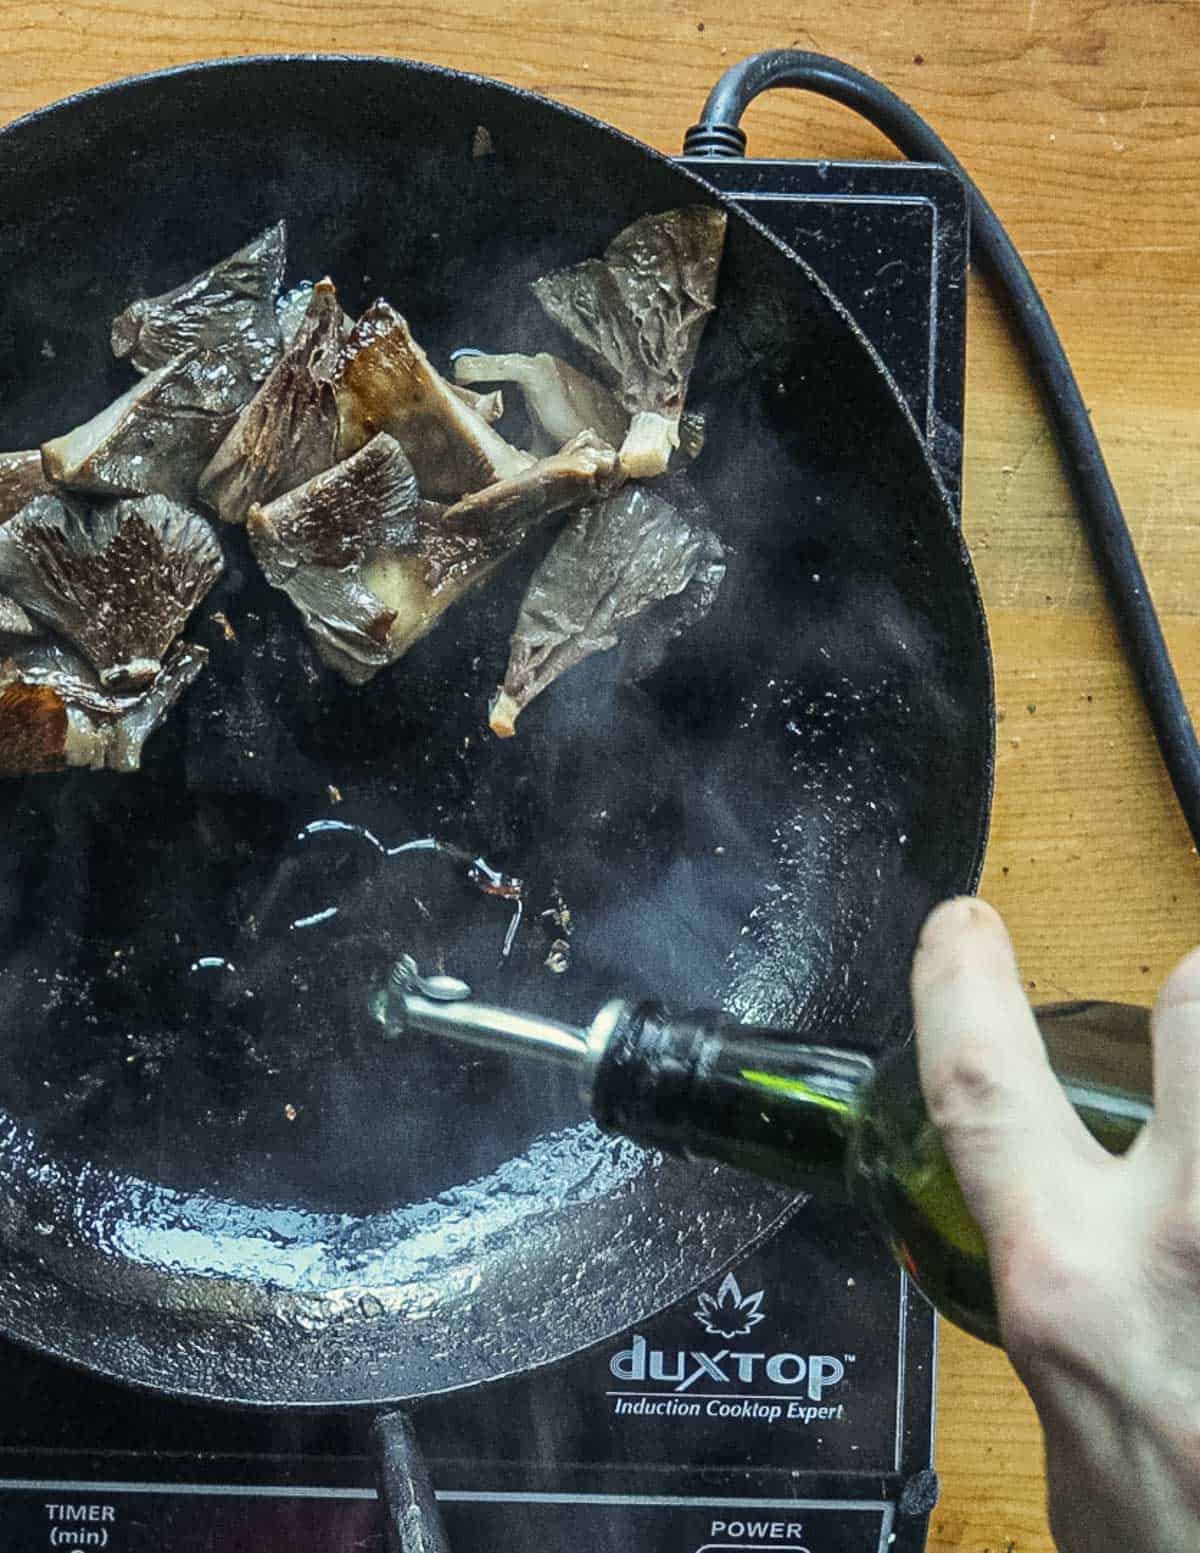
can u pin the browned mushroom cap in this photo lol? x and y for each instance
(562, 400)
(312, 541)
(21, 479)
(334, 519)
(639, 314)
(386, 383)
(289, 430)
(33, 725)
(157, 437)
(292, 308)
(119, 585)
(229, 307)
(54, 714)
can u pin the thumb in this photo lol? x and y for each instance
(1007, 1127)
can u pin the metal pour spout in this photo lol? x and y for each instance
(442, 1006)
(497, 1029)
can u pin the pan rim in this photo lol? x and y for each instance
(195, 70)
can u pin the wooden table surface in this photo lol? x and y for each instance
(1081, 121)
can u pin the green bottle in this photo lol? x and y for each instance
(826, 1119)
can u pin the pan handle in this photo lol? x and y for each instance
(414, 1522)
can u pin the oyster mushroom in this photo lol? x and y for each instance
(347, 624)
(562, 400)
(55, 714)
(230, 307)
(34, 725)
(489, 406)
(157, 437)
(119, 585)
(455, 553)
(21, 479)
(333, 520)
(14, 621)
(292, 307)
(693, 429)
(638, 314)
(372, 567)
(289, 430)
(312, 542)
(488, 523)
(612, 563)
(386, 383)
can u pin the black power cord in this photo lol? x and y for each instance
(718, 135)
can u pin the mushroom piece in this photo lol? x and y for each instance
(346, 623)
(386, 383)
(456, 553)
(21, 479)
(611, 564)
(333, 520)
(562, 401)
(372, 568)
(157, 437)
(638, 313)
(489, 406)
(54, 713)
(693, 429)
(289, 430)
(292, 307)
(312, 542)
(230, 307)
(290, 311)
(119, 585)
(487, 524)
(14, 621)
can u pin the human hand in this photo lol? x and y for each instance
(1095, 1259)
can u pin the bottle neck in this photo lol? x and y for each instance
(701, 1087)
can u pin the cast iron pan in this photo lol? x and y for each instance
(762, 822)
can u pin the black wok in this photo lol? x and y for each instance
(762, 822)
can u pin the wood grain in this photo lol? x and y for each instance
(1081, 121)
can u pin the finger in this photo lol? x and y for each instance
(1175, 1027)
(1008, 1128)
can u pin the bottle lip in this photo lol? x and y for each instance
(598, 1037)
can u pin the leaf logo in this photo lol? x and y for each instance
(730, 1314)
